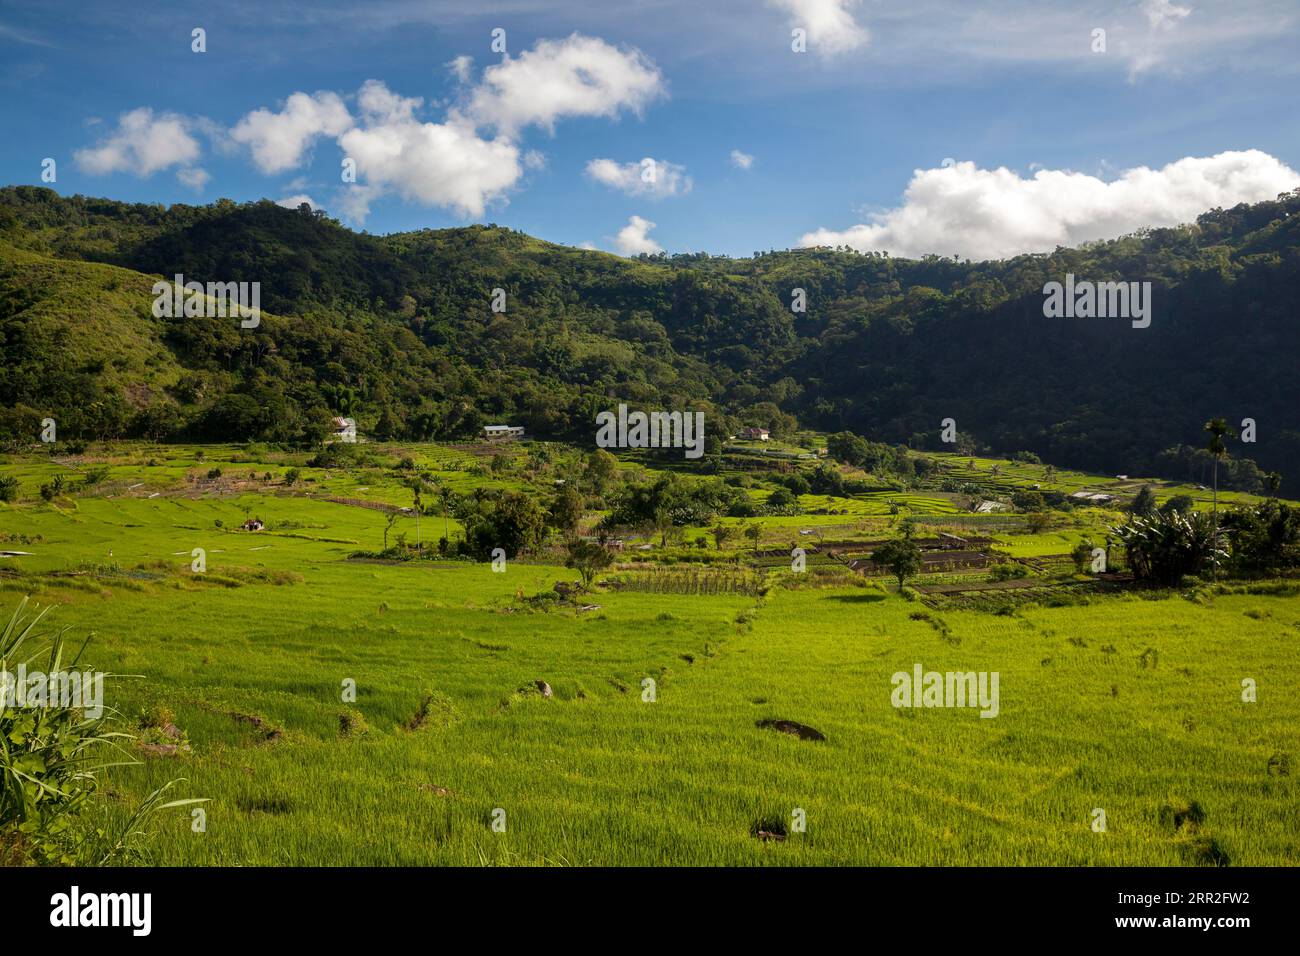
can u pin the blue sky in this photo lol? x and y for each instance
(979, 129)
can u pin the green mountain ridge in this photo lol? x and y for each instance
(398, 330)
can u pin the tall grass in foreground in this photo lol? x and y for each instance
(51, 759)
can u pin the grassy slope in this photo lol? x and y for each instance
(98, 315)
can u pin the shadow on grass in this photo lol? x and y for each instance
(858, 598)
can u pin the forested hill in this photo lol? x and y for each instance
(399, 331)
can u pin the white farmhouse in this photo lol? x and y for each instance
(502, 432)
(345, 430)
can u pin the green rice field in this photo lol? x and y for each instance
(1131, 705)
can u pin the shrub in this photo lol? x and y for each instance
(8, 488)
(55, 488)
(51, 760)
(1009, 571)
(781, 497)
(1081, 555)
(352, 723)
(1028, 501)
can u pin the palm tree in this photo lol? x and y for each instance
(444, 499)
(417, 506)
(1216, 428)
(416, 483)
(663, 524)
(721, 534)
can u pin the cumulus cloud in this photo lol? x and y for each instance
(634, 239)
(380, 105)
(454, 163)
(143, 144)
(354, 201)
(293, 202)
(195, 178)
(460, 67)
(439, 164)
(992, 214)
(652, 178)
(830, 24)
(576, 76)
(278, 141)
(741, 160)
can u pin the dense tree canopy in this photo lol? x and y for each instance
(398, 331)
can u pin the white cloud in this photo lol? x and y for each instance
(450, 164)
(938, 43)
(576, 76)
(1164, 13)
(633, 239)
(293, 202)
(439, 164)
(380, 105)
(741, 160)
(654, 178)
(195, 178)
(830, 24)
(1150, 52)
(993, 214)
(141, 144)
(354, 201)
(279, 140)
(460, 67)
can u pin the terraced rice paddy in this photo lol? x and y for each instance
(665, 737)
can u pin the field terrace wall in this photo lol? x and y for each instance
(932, 562)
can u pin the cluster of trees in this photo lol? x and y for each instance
(672, 501)
(875, 457)
(1190, 463)
(1167, 544)
(509, 520)
(1166, 547)
(1263, 540)
(399, 332)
